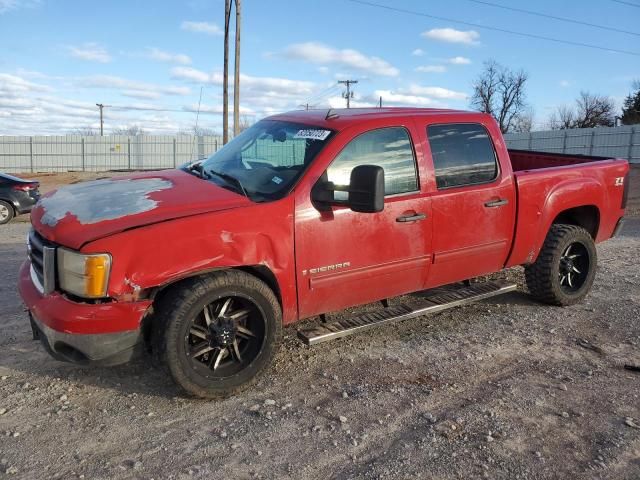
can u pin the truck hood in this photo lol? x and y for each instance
(87, 211)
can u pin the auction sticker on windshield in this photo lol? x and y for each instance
(312, 134)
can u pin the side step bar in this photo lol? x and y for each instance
(433, 301)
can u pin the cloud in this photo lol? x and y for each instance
(8, 5)
(431, 69)
(459, 61)
(403, 99)
(418, 52)
(451, 35)
(119, 83)
(201, 27)
(13, 84)
(319, 53)
(190, 74)
(145, 94)
(163, 56)
(91, 52)
(565, 83)
(436, 92)
(266, 84)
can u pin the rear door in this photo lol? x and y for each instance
(346, 258)
(473, 202)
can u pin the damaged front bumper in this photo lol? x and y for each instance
(85, 333)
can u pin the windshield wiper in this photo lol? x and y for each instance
(229, 178)
(198, 169)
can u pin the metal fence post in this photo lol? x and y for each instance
(129, 152)
(633, 131)
(31, 153)
(564, 142)
(175, 164)
(593, 134)
(82, 153)
(530, 140)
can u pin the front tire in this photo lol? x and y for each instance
(216, 334)
(6, 212)
(565, 269)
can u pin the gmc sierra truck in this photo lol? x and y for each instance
(303, 214)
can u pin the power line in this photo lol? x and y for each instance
(554, 17)
(627, 3)
(323, 93)
(496, 29)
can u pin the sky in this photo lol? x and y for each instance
(150, 61)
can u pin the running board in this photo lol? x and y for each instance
(435, 300)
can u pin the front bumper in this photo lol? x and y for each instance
(102, 334)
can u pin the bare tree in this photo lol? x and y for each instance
(131, 131)
(563, 118)
(590, 111)
(85, 131)
(245, 122)
(500, 92)
(523, 123)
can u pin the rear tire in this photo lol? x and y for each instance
(216, 334)
(6, 212)
(565, 268)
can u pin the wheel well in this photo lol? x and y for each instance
(587, 217)
(266, 275)
(260, 271)
(10, 203)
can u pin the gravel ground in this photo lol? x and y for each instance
(499, 389)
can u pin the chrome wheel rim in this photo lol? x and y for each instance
(574, 267)
(4, 212)
(225, 337)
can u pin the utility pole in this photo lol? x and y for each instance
(225, 80)
(101, 107)
(305, 106)
(348, 94)
(380, 101)
(236, 76)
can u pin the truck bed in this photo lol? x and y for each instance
(548, 184)
(522, 160)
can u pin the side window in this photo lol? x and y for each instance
(463, 154)
(389, 148)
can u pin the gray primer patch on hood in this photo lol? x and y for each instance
(93, 202)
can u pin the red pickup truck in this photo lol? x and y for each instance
(303, 214)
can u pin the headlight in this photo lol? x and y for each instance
(84, 275)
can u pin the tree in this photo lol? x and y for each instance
(132, 131)
(245, 122)
(500, 92)
(523, 123)
(631, 106)
(85, 131)
(591, 111)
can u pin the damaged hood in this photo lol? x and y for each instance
(87, 211)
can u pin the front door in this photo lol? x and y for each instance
(346, 258)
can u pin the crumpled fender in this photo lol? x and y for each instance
(160, 254)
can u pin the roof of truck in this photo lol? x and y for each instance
(339, 118)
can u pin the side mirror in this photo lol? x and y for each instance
(366, 189)
(365, 192)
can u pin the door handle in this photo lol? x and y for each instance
(412, 217)
(496, 203)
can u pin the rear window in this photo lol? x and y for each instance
(463, 154)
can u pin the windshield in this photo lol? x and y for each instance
(264, 161)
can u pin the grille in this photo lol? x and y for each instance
(42, 256)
